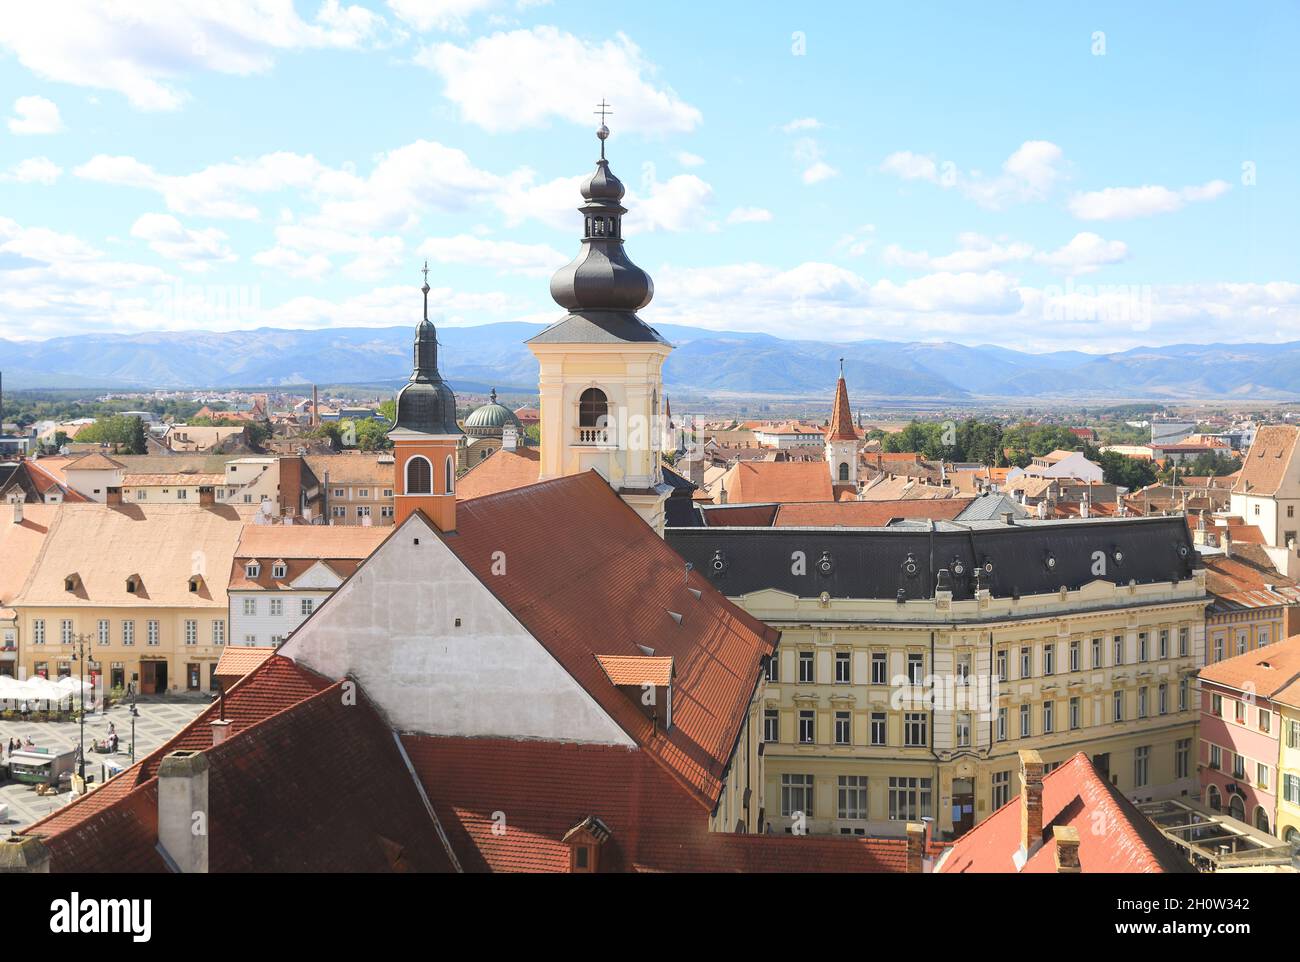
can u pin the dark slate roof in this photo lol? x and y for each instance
(598, 327)
(1028, 557)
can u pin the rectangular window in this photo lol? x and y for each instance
(1002, 724)
(1182, 642)
(1293, 734)
(771, 725)
(807, 727)
(878, 728)
(1164, 643)
(1074, 656)
(1118, 703)
(1074, 714)
(277, 606)
(65, 631)
(853, 796)
(1239, 712)
(1238, 766)
(1265, 720)
(38, 631)
(308, 605)
(843, 667)
(1049, 711)
(879, 668)
(103, 631)
(805, 666)
(1164, 699)
(128, 633)
(916, 725)
(1261, 775)
(915, 666)
(1026, 662)
(963, 729)
(1025, 730)
(1182, 758)
(151, 633)
(386, 510)
(363, 511)
(1142, 702)
(191, 632)
(1049, 659)
(1119, 651)
(1142, 646)
(797, 795)
(1002, 664)
(1183, 689)
(774, 667)
(250, 606)
(1141, 763)
(1291, 788)
(963, 668)
(1216, 706)
(1218, 648)
(1216, 757)
(909, 799)
(219, 632)
(1001, 789)
(843, 724)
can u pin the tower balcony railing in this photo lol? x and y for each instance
(594, 436)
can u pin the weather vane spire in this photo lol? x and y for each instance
(602, 109)
(425, 272)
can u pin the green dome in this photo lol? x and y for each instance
(490, 419)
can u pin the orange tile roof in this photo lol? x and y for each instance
(236, 661)
(20, 544)
(356, 468)
(96, 461)
(751, 482)
(1266, 464)
(841, 426)
(1075, 794)
(1263, 671)
(637, 669)
(626, 580)
(867, 514)
(500, 471)
(309, 541)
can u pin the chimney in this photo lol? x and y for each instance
(1067, 849)
(1006, 517)
(916, 833)
(24, 855)
(509, 438)
(113, 497)
(183, 810)
(1031, 805)
(220, 730)
(315, 407)
(290, 484)
(207, 496)
(1226, 541)
(18, 512)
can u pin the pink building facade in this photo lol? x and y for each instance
(1239, 753)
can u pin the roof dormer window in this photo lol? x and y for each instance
(279, 570)
(71, 583)
(196, 582)
(133, 585)
(252, 569)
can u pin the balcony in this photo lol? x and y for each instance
(593, 437)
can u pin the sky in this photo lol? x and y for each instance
(1018, 174)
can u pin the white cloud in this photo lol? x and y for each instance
(749, 215)
(687, 159)
(1029, 174)
(676, 204)
(1085, 253)
(506, 257)
(33, 170)
(194, 250)
(1125, 203)
(819, 171)
(427, 15)
(35, 115)
(857, 242)
(526, 78)
(808, 154)
(293, 263)
(803, 123)
(143, 48)
(306, 250)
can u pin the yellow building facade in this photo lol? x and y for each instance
(1288, 765)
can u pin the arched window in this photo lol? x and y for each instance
(844, 470)
(419, 476)
(1237, 808)
(592, 406)
(1292, 836)
(1261, 818)
(449, 476)
(1212, 798)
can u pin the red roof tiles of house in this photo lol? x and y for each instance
(1262, 672)
(755, 482)
(629, 582)
(1267, 461)
(637, 669)
(236, 661)
(841, 426)
(1075, 795)
(500, 471)
(866, 514)
(547, 788)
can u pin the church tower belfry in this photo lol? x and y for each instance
(425, 435)
(601, 379)
(842, 438)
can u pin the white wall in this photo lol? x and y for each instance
(393, 626)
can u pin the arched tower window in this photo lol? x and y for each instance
(592, 406)
(1212, 798)
(844, 470)
(449, 472)
(419, 476)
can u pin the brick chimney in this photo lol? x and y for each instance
(1031, 805)
(207, 496)
(1067, 849)
(916, 837)
(183, 810)
(1226, 542)
(220, 730)
(290, 484)
(24, 855)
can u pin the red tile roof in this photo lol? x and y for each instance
(637, 669)
(841, 427)
(609, 597)
(755, 482)
(1237, 583)
(546, 788)
(236, 661)
(1263, 671)
(1269, 457)
(867, 514)
(1077, 795)
(500, 471)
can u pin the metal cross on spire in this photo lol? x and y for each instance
(425, 271)
(602, 109)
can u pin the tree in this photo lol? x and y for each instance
(1128, 472)
(138, 445)
(372, 436)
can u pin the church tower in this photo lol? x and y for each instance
(601, 380)
(425, 435)
(842, 439)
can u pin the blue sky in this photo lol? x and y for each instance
(1019, 174)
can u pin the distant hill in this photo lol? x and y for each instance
(709, 362)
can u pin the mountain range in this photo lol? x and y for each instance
(713, 363)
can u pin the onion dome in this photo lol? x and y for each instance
(426, 405)
(490, 420)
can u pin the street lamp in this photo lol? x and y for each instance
(81, 750)
(134, 714)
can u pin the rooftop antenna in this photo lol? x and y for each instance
(602, 131)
